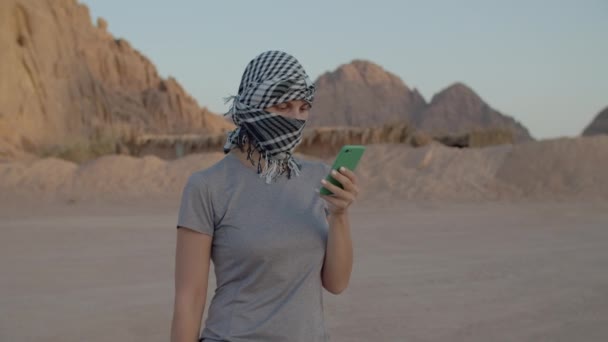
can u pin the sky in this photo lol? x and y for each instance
(545, 63)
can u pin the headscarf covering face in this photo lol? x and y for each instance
(271, 78)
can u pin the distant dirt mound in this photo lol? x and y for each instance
(39, 179)
(433, 172)
(552, 169)
(564, 167)
(106, 178)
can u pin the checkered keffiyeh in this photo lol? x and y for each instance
(271, 78)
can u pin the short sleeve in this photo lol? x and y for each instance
(196, 209)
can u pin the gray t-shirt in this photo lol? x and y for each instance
(268, 248)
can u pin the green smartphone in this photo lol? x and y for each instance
(348, 157)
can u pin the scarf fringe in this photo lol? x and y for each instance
(268, 167)
(235, 100)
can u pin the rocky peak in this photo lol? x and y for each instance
(599, 125)
(456, 92)
(457, 109)
(362, 93)
(365, 72)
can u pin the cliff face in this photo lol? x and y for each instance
(64, 80)
(599, 125)
(363, 94)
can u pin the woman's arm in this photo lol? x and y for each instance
(338, 263)
(192, 261)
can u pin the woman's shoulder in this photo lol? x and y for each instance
(209, 174)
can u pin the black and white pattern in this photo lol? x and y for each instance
(271, 78)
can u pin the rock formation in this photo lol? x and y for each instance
(458, 110)
(599, 125)
(65, 80)
(361, 93)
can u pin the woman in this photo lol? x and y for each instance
(274, 240)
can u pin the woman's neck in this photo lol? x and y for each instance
(242, 156)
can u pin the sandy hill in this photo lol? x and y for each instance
(65, 80)
(362, 93)
(551, 169)
(599, 125)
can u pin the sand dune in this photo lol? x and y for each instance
(558, 168)
(550, 169)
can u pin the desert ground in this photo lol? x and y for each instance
(505, 243)
(424, 271)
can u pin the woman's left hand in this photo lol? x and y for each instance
(341, 199)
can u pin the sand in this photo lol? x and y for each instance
(423, 272)
(505, 243)
(566, 168)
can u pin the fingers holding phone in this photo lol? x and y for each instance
(346, 178)
(348, 158)
(340, 198)
(340, 188)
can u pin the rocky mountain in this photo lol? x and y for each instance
(457, 109)
(64, 79)
(362, 94)
(599, 125)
